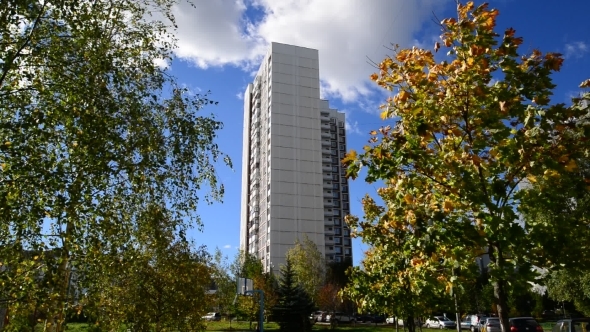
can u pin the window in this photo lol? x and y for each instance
(337, 221)
(336, 194)
(346, 232)
(344, 189)
(325, 114)
(334, 152)
(345, 197)
(333, 120)
(330, 248)
(342, 132)
(338, 259)
(335, 185)
(335, 169)
(346, 251)
(346, 242)
(329, 228)
(343, 180)
(346, 206)
(330, 238)
(338, 250)
(335, 177)
(338, 231)
(337, 240)
(332, 135)
(336, 204)
(334, 144)
(342, 147)
(329, 201)
(341, 124)
(335, 160)
(336, 212)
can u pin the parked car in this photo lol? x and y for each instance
(212, 316)
(572, 325)
(524, 324)
(491, 324)
(339, 317)
(440, 322)
(466, 323)
(318, 316)
(474, 322)
(390, 320)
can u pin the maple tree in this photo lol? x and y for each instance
(468, 130)
(93, 130)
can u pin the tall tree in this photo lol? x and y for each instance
(309, 266)
(469, 129)
(92, 131)
(294, 304)
(159, 285)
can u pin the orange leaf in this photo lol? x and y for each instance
(374, 77)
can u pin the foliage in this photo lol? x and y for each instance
(329, 298)
(294, 305)
(336, 272)
(309, 266)
(93, 132)
(225, 284)
(158, 286)
(571, 285)
(469, 129)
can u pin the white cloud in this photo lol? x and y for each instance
(227, 246)
(352, 127)
(218, 33)
(576, 49)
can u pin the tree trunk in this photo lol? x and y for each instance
(499, 289)
(410, 323)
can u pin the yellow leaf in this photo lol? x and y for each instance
(531, 178)
(470, 61)
(7, 144)
(384, 115)
(373, 132)
(409, 198)
(571, 165)
(403, 95)
(448, 206)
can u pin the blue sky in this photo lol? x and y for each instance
(221, 41)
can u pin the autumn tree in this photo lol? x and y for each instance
(158, 285)
(309, 266)
(92, 129)
(463, 134)
(225, 284)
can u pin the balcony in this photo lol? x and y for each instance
(325, 126)
(328, 213)
(254, 174)
(326, 168)
(326, 134)
(326, 142)
(327, 176)
(328, 241)
(327, 185)
(328, 222)
(326, 159)
(328, 231)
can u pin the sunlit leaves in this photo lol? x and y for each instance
(471, 128)
(92, 132)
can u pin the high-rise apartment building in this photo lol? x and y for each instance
(293, 182)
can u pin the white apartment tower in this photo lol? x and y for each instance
(293, 182)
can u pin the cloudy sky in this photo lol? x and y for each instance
(221, 42)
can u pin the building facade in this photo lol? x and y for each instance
(293, 182)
